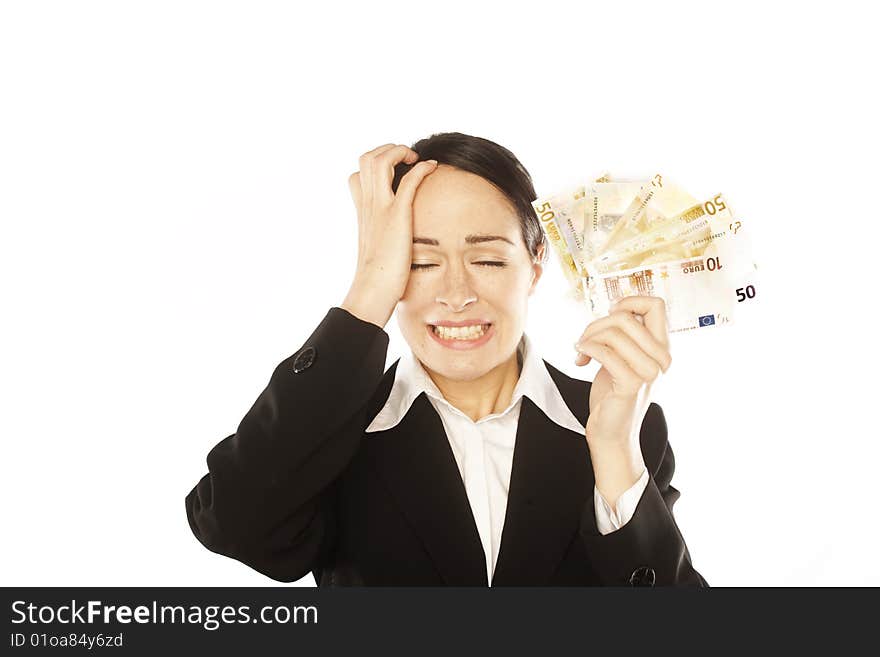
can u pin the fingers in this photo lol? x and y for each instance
(365, 163)
(377, 170)
(619, 345)
(653, 309)
(387, 160)
(618, 368)
(406, 190)
(636, 331)
(354, 186)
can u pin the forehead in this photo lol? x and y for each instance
(452, 203)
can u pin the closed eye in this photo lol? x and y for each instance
(486, 263)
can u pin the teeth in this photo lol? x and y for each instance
(459, 332)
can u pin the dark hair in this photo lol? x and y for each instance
(495, 164)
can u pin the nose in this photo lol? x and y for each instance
(457, 291)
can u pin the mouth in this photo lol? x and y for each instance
(462, 337)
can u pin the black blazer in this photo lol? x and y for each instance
(300, 487)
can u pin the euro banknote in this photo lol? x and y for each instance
(688, 233)
(653, 238)
(656, 199)
(555, 213)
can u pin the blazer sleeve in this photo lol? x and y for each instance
(267, 499)
(649, 549)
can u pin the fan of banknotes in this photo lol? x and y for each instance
(617, 239)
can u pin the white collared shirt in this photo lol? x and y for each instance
(483, 450)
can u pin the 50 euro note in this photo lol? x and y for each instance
(562, 217)
(557, 214)
(686, 234)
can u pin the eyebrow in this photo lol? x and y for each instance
(470, 239)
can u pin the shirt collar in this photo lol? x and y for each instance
(534, 382)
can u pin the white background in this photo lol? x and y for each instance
(176, 220)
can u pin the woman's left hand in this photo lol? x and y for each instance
(632, 344)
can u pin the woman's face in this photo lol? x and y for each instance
(469, 265)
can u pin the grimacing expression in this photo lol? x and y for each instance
(462, 275)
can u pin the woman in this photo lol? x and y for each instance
(471, 460)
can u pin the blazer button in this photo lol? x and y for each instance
(643, 576)
(304, 359)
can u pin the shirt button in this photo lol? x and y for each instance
(304, 359)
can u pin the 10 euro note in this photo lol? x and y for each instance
(693, 293)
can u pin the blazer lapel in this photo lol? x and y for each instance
(416, 461)
(551, 478)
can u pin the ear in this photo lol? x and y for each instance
(537, 268)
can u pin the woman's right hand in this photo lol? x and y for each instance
(385, 231)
